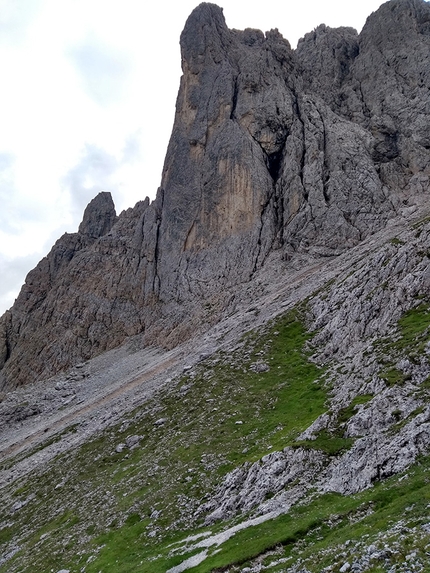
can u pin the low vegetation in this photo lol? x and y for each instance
(112, 508)
(233, 408)
(409, 343)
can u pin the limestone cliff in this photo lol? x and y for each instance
(274, 152)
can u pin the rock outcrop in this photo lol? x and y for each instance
(273, 152)
(378, 378)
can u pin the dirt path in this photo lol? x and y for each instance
(87, 409)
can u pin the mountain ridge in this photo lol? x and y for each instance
(373, 424)
(257, 163)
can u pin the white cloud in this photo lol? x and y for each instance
(15, 214)
(15, 17)
(103, 70)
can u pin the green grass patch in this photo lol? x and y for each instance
(225, 412)
(413, 332)
(329, 442)
(392, 376)
(332, 441)
(319, 526)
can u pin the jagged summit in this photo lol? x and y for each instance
(275, 155)
(205, 34)
(99, 216)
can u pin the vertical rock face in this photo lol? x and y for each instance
(233, 112)
(380, 80)
(273, 151)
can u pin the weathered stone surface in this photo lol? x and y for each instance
(380, 80)
(86, 296)
(249, 485)
(99, 216)
(355, 321)
(377, 456)
(273, 153)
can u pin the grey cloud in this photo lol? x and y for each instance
(13, 273)
(131, 151)
(14, 212)
(103, 71)
(90, 176)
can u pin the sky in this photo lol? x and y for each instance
(87, 105)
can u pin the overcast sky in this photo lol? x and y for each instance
(87, 104)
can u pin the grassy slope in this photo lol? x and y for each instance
(111, 511)
(314, 530)
(108, 497)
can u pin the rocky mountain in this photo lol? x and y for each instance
(235, 377)
(274, 152)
